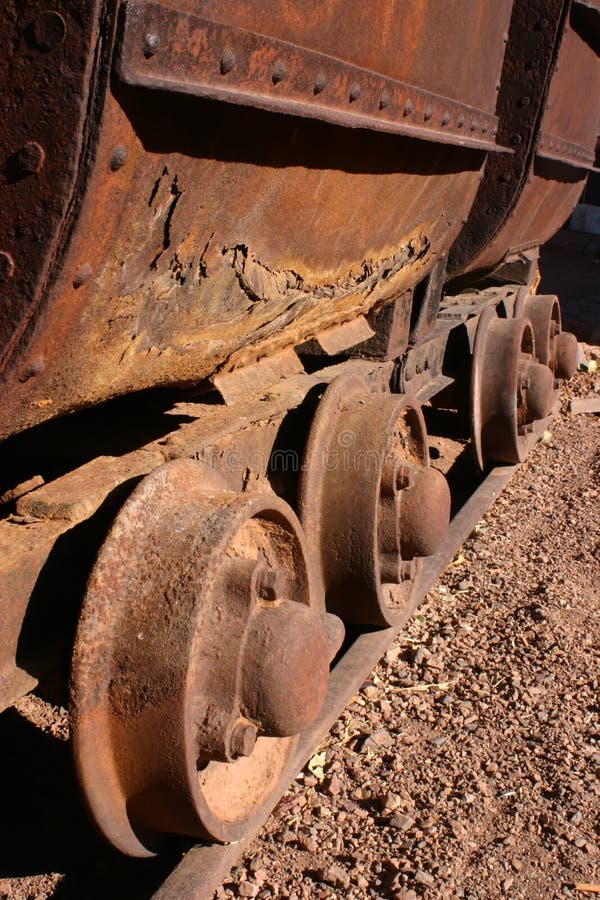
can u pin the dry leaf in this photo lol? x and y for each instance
(315, 765)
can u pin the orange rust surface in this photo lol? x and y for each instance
(227, 228)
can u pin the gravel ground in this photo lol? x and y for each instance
(469, 764)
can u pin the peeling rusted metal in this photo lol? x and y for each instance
(158, 280)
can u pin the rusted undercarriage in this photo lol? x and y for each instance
(298, 249)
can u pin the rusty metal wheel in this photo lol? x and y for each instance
(370, 504)
(200, 654)
(553, 346)
(509, 389)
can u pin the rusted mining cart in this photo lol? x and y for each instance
(248, 252)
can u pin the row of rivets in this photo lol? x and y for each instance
(228, 62)
(566, 150)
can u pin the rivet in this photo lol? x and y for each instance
(505, 38)
(473, 125)
(151, 43)
(320, 83)
(33, 368)
(118, 157)
(49, 30)
(445, 118)
(7, 266)
(460, 121)
(354, 92)
(279, 71)
(484, 128)
(228, 61)
(408, 108)
(83, 275)
(495, 132)
(384, 100)
(30, 158)
(428, 113)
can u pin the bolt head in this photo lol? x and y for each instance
(228, 62)
(48, 30)
(243, 739)
(279, 72)
(7, 266)
(118, 157)
(30, 158)
(151, 44)
(83, 275)
(270, 585)
(320, 83)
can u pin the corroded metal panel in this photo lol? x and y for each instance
(210, 234)
(50, 63)
(163, 49)
(526, 213)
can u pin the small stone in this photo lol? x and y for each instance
(380, 739)
(391, 801)
(309, 844)
(335, 876)
(424, 878)
(370, 692)
(334, 786)
(419, 656)
(402, 822)
(248, 889)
